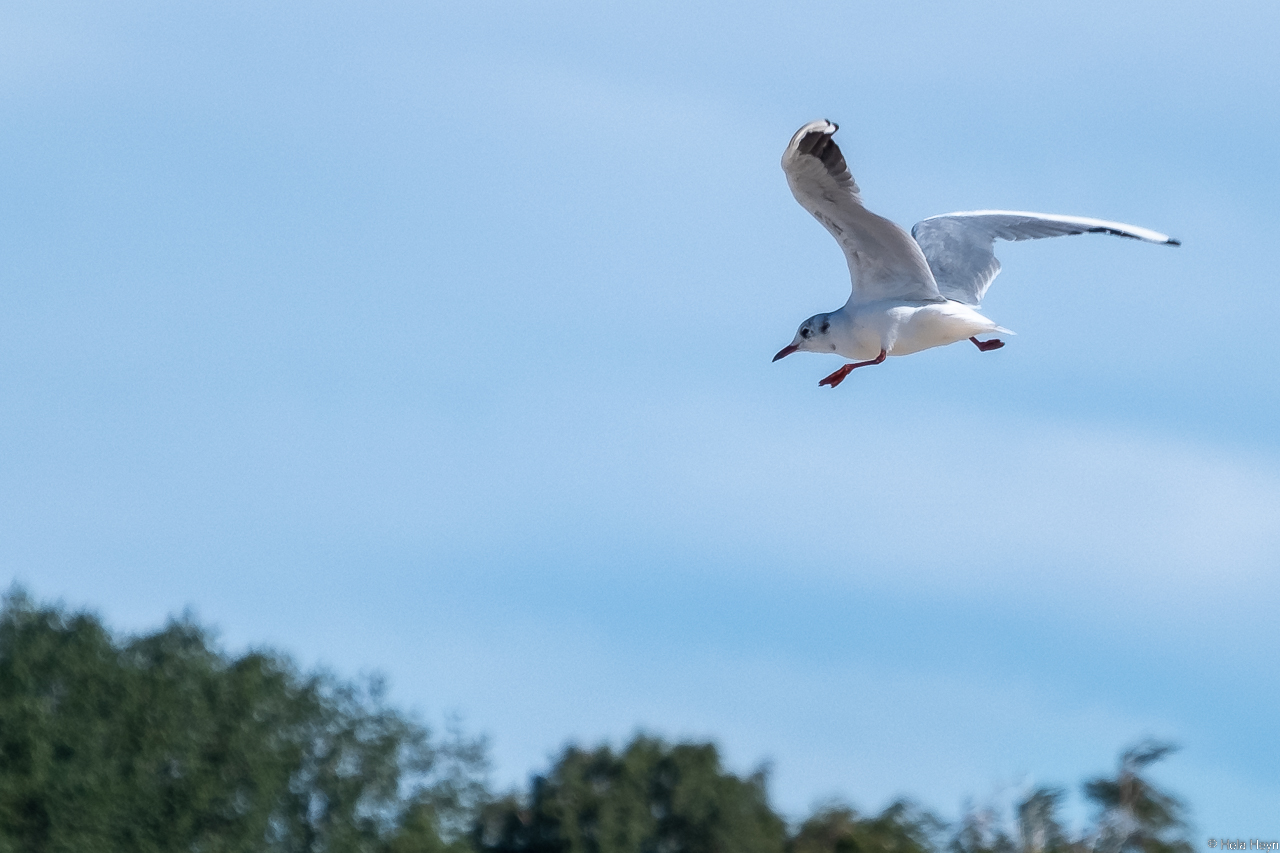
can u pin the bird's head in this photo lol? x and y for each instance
(812, 336)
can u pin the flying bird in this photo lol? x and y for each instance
(910, 292)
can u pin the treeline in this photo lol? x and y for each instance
(163, 742)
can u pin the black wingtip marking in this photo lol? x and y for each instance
(1169, 241)
(818, 143)
(810, 141)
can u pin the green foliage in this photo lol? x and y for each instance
(163, 743)
(900, 828)
(1038, 828)
(651, 797)
(1135, 816)
(982, 831)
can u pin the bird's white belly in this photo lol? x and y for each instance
(936, 325)
(903, 329)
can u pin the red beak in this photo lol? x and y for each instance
(786, 351)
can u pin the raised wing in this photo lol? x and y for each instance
(884, 262)
(960, 247)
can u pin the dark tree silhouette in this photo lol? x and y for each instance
(900, 828)
(164, 743)
(1038, 828)
(1134, 815)
(650, 797)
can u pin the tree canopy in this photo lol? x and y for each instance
(651, 796)
(164, 742)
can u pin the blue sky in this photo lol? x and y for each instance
(434, 339)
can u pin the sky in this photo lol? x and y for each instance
(434, 339)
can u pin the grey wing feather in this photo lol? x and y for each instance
(960, 247)
(884, 262)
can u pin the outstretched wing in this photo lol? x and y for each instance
(884, 262)
(960, 246)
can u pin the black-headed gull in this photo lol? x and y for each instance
(908, 294)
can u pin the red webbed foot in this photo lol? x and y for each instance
(836, 378)
(987, 346)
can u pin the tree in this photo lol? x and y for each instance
(1038, 828)
(652, 797)
(900, 828)
(162, 743)
(1134, 815)
(982, 831)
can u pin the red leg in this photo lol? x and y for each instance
(836, 378)
(987, 346)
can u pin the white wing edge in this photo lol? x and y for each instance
(1068, 225)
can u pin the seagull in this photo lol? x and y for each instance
(908, 294)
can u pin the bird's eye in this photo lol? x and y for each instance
(805, 333)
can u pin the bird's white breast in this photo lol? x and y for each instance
(902, 329)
